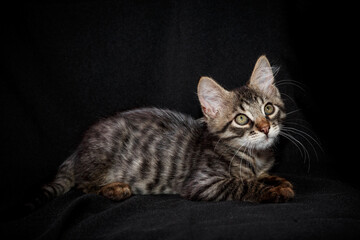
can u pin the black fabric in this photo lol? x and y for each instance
(69, 63)
(323, 209)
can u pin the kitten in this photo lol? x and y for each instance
(223, 156)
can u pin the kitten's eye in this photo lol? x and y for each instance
(241, 119)
(269, 109)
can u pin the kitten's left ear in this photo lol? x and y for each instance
(262, 77)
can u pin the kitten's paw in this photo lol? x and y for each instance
(115, 191)
(286, 184)
(277, 194)
(276, 181)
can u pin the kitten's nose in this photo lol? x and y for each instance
(263, 126)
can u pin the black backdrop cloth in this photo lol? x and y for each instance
(70, 63)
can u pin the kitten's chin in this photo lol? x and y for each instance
(260, 144)
(264, 144)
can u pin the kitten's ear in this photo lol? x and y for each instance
(212, 96)
(262, 77)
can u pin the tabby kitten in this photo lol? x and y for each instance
(223, 156)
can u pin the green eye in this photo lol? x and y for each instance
(241, 119)
(269, 109)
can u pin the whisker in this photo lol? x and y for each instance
(316, 155)
(233, 159)
(241, 161)
(297, 110)
(312, 137)
(290, 82)
(290, 139)
(299, 146)
(290, 98)
(222, 152)
(304, 154)
(297, 120)
(217, 143)
(304, 135)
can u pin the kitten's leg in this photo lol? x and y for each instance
(115, 191)
(218, 189)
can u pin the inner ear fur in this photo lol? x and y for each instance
(213, 98)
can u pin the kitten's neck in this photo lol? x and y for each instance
(262, 160)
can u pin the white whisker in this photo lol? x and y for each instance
(304, 153)
(307, 128)
(233, 159)
(290, 82)
(302, 149)
(297, 110)
(241, 178)
(217, 143)
(290, 98)
(304, 135)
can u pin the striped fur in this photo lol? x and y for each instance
(156, 151)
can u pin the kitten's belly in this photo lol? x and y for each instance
(141, 188)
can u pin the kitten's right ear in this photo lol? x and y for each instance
(262, 77)
(212, 97)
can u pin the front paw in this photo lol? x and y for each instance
(285, 183)
(278, 194)
(276, 181)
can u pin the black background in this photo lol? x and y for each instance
(69, 63)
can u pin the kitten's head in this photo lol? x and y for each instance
(249, 116)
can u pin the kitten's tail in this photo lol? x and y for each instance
(63, 182)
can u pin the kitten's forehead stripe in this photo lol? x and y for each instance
(242, 107)
(244, 101)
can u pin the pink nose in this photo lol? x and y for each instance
(265, 129)
(263, 126)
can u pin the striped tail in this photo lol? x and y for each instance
(63, 182)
